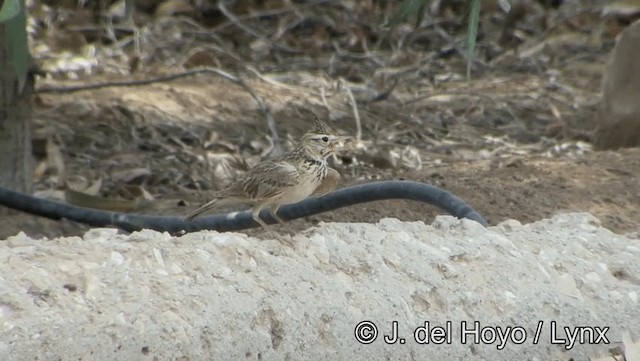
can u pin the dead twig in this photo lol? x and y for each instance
(126, 83)
(252, 32)
(324, 99)
(380, 96)
(271, 13)
(280, 84)
(354, 107)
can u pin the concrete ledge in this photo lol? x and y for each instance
(211, 296)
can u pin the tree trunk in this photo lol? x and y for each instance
(619, 115)
(15, 123)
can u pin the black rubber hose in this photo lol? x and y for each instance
(343, 197)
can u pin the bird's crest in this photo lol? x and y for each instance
(321, 127)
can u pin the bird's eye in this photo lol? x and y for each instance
(325, 139)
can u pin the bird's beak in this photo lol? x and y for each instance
(344, 142)
(337, 145)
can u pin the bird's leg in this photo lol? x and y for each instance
(255, 214)
(285, 239)
(273, 210)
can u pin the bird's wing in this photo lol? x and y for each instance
(270, 179)
(329, 183)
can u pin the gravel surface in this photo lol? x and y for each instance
(213, 296)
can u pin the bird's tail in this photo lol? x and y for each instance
(207, 206)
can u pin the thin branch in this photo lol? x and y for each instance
(354, 107)
(141, 82)
(252, 32)
(324, 99)
(271, 13)
(380, 96)
(279, 84)
(264, 108)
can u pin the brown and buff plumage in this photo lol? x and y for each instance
(286, 179)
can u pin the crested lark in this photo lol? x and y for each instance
(287, 179)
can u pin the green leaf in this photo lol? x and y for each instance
(128, 9)
(10, 8)
(472, 33)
